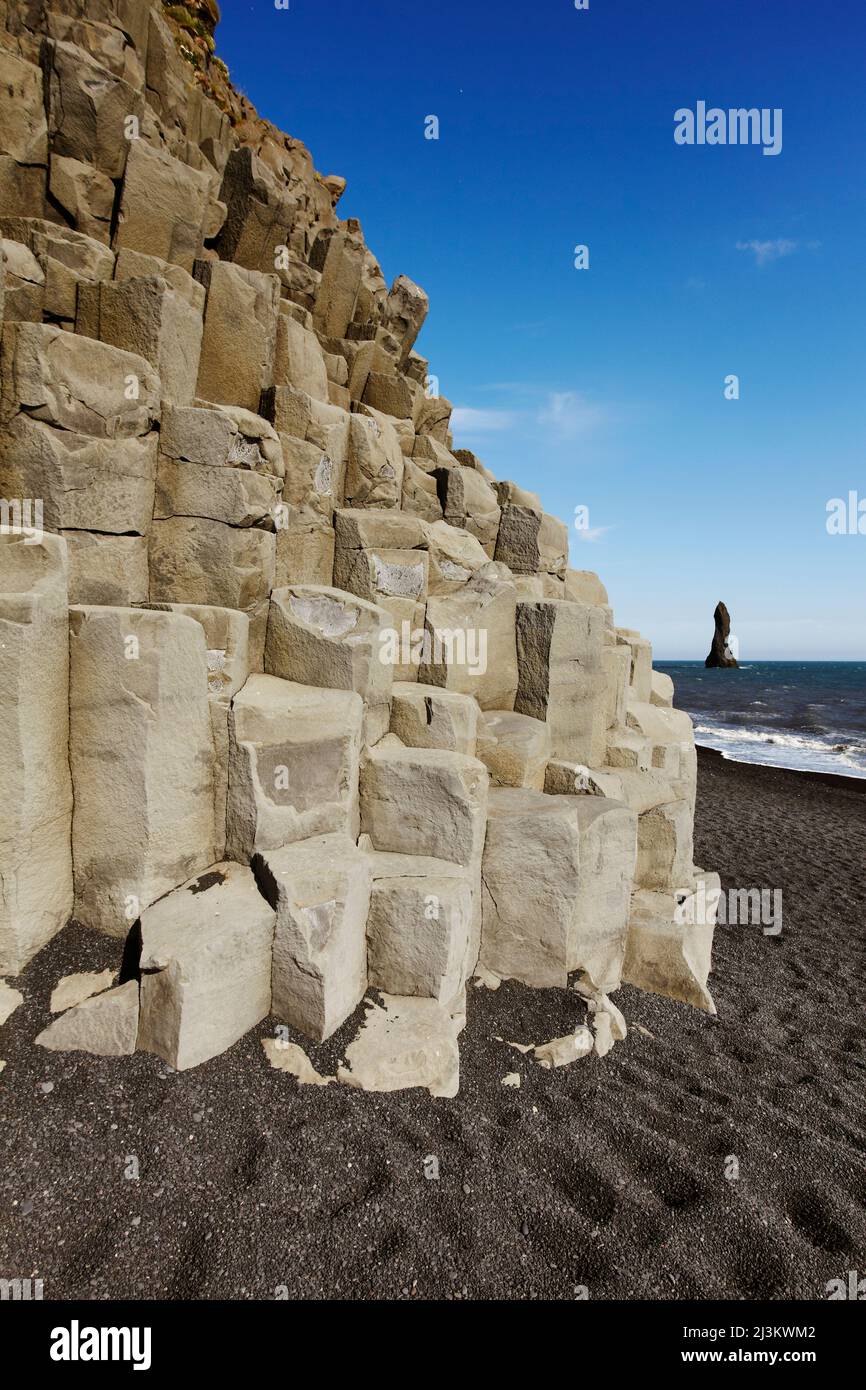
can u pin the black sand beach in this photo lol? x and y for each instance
(608, 1174)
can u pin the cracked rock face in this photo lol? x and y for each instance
(556, 882)
(139, 709)
(296, 699)
(328, 616)
(326, 638)
(419, 926)
(293, 755)
(320, 890)
(36, 891)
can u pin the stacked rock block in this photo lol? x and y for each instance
(291, 686)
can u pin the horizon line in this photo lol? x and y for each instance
(780, 660)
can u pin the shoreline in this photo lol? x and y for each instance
(806, 717)
(839, 780)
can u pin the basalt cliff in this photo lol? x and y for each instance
(297, 701)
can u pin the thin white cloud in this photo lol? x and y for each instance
(593, 534)
(568, 414)
(767, 251)
(466, 420)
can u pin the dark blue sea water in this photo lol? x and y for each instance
(802, 714)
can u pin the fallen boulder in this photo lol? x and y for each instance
(404, 1043)
(106, 1025)
(74, 989)
(561, 1052)
(205, 966)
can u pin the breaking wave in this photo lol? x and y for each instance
(809, 716)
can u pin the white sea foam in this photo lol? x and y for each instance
(776, 749)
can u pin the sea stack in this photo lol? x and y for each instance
(720, 652)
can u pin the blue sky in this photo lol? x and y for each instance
(604, 387)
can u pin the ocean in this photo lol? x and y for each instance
(809, 715)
